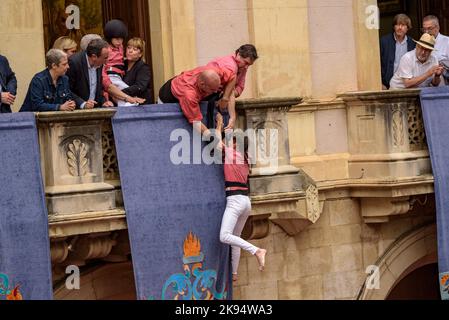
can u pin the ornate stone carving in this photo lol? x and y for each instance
(110, 165)
(312, 203)
(398, 128)
(77, 158)
(417, 135)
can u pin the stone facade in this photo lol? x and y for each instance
(380, 193)
(353, 187)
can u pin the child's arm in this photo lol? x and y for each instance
(219, 130)
(219, 123)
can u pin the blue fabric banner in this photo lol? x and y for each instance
(25, 268)
(435, 109)
(173, 206)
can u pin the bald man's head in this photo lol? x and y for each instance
(209, 81)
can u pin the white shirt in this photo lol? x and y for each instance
(441, 47)
(411, 67)
(401, 49)
(92, 71)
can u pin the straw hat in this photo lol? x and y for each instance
(427, 41)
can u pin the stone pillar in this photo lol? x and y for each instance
(72, 161)
(279, 30)
(332, 48)
(367, 48)
(284, 194)
(22, 41)
(172, 25)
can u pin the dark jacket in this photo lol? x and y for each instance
(8, 82)
(139, 81)
(387, 55)
(78, 75)
(42, 95)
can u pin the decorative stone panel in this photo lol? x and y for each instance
(72, 161)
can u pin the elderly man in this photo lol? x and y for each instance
(191, 87)
(418, 68)
(8, 86)
(432, 26)
(85, 75)
(49, 89)
(393, 46)
(85, 40)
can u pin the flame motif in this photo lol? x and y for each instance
(192, 246)
(15, 294)
(444, 279)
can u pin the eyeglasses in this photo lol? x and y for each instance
(426, 30)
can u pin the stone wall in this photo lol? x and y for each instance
(328, 260)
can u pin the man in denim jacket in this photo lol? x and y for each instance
(49, 89)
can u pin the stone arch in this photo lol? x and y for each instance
(107, 281)
(411, 251)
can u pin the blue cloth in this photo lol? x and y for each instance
(388, 54)
(42, 95)
(173, 211)
(434, 104)
(8, 82)
(24, 243)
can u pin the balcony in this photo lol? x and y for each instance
(387, 168)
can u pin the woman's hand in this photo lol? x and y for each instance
(135, 100)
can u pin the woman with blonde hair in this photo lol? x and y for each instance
(66, 44)
(137, 72)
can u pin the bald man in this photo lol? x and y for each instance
(191, 87)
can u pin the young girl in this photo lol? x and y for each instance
(115, 32)
(238, 204)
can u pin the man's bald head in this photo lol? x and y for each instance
(209, 81)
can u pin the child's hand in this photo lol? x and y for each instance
(219, 121)
(230, 125)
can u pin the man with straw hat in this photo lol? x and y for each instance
(418, 68)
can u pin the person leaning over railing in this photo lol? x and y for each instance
(49, 89)
(238, 63)
(419, 67)
(85, 75)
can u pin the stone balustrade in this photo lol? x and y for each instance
(388, 169)
(389, 164)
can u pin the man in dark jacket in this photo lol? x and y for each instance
(8, 86)
(85, 75)
(393, 46)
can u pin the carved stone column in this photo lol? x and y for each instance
(280, 192)
(72, 161)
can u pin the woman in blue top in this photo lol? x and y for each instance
(49, 89)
